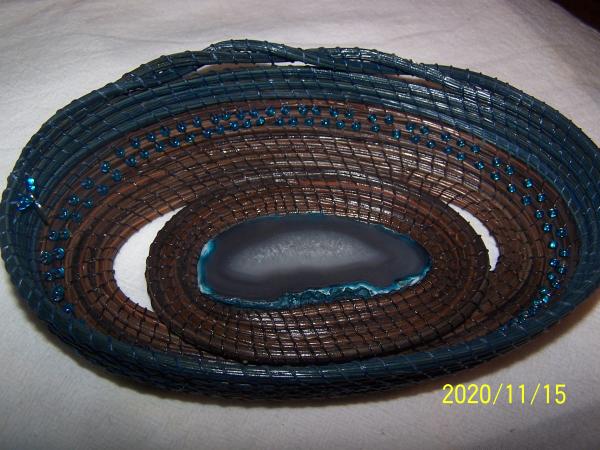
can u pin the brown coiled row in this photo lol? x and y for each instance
(372, 177)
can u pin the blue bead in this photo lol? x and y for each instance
(544, 290)
(105, 167)
(144, 154)
(247, 123)
(215, 119)
(496, 162)
(430, 144)
(445, 137)
(547, 227)
(240, 115)
(541, 197)
(53, 235)
(120, 152)
(285, 110)
(460, 143)
(447, 150)
(424, 130)
(539, 214)
(333, 112)
(68, 308)
(49, 275)
(388, 119)
(561, 232)
(495, 176)
(181, 127)
(356, 125)
(234, 125)
(526, 200)
(372, 118)
(340, 124)
(461, 156)
(260, 121)
(220, 129)
(88, 183)
(175, 142)
(65, 234)
(64, 214)
(190, 138)
(556, 284)
(325, 122)
(151, 137)
(309, 121)
(409, 126)
(197, 121)
(58, 293)
(46, 257)
(293, 121)
(74, 200)
(511, 188)
(509, 170)
(159, 147)
(562, 270)
(316, 110)
(564, 252)
(553, 213)
(165, 131)
(253, 113)
(102, 189)
(415, 138)
(116, 176)
(554, 262)
(279, 121)
(131, 161)
(89, 203)
(349, 114)
(270, 111)
(375, 128)
(76, 217)
(24, 202)
(527, 183)
(135, 142)
(475, 148)
(550, 276)
(552, 244)
(479, 165)
(302, 110)
(396, 134)
(58, 253)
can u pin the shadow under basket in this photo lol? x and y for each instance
(235, 134)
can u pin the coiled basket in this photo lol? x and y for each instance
(234, 132)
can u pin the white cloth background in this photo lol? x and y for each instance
(53, 52)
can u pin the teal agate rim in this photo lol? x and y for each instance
(314, 295)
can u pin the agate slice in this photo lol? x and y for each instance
(294, 259)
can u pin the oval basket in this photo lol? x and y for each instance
(235, 132)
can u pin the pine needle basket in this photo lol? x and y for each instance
(234, 132)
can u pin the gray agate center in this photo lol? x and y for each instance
(287, 261)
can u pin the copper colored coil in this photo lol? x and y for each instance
(170, 301)
(146, 326)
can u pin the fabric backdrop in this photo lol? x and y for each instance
(53, 52)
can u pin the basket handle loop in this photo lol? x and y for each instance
(176, 66)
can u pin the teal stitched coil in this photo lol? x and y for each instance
(348, 116)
